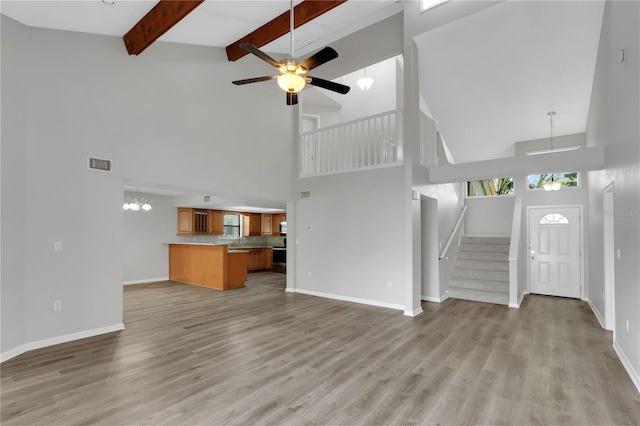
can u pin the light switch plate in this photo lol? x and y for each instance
(57, 246)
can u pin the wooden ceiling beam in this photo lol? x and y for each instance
(156, 22)
(276, 28)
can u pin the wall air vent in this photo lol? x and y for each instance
(305, 194)
(207, 198)
(99, 164)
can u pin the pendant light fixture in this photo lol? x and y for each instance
(136, 204)
(551, 185)
(365, 83)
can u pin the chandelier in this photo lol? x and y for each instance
(136, 204)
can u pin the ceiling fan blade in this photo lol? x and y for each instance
(254, 80)
(292, 98)
(329, 85)
(321, 57)
(260, 54)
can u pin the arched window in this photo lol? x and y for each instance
(554, 219)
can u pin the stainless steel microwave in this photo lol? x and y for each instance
(283, 228)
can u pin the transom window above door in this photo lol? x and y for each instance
(553, 219)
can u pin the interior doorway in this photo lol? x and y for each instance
(555, 250)
(608, 247)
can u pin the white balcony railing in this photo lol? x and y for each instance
(373, 141)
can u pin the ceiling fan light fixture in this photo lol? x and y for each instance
(291, 82)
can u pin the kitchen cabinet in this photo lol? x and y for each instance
(246, 225)
(266, 228)
(275, 223)
(267, 258)
(255, 224)
(192, 221)
(185, 221)
(216, 222)
(259, 259)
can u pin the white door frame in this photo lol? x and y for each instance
(609, 258)
(581, 242)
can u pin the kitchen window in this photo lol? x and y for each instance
(232, 226)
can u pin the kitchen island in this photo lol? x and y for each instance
(208, 265)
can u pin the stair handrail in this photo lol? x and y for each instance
(454, 231)
(514, 248)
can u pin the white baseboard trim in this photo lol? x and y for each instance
(435, 299)
(635, 378)
(348, 299)
(290, 290)
(12, 353)
(517, 305)
(413, 313)
(596, 313)
(145, 281)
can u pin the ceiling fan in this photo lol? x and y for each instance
(293, 74)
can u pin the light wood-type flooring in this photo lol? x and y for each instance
(196, 356)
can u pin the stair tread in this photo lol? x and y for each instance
(483, 265)
(499, 298)
(487, 240)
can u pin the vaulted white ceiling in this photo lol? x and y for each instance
(490, 78)
(214, 23)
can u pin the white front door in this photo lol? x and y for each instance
(554, 251)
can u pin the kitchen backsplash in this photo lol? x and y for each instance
(244, 241)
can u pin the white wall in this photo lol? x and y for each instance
(356, 243)
(490, 216)
(613, 123)
(13, 186)
(169, 116)
(145, 257)
(379, 98)
(449, 207)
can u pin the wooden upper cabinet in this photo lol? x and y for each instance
(275, 221)
(255, 224)
(216, 222)
(200, 221)
(185, 221)
(246, 225)
(266, 224)
(192, 221)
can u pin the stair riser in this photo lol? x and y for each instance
(481, 275)
(485, 248)
(480, 265)
(494, 286)
(485, 257)
(479, 296)
(486, 240)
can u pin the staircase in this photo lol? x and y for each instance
(481, 271)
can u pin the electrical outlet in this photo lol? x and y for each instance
(389, 283)
(309, 274)
(57, 246)
(57, 305)
(618, 254)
